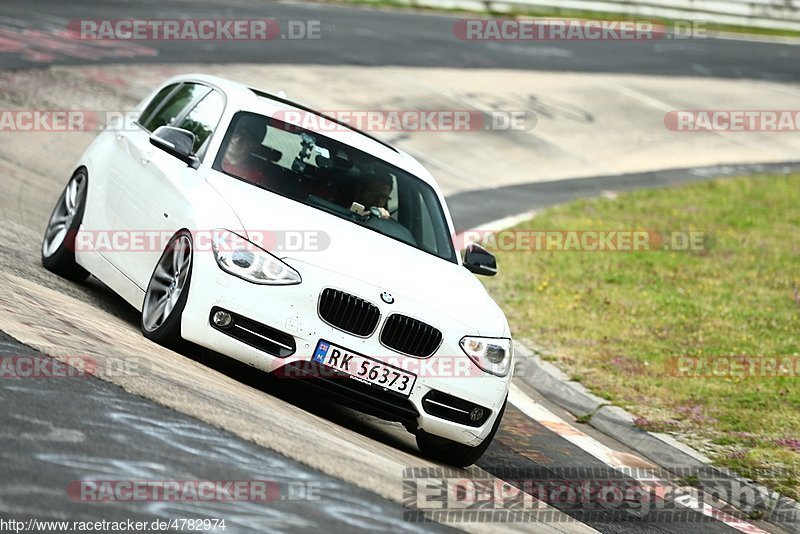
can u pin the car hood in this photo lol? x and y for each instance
(301, 234)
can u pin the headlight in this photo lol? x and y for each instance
(493, 355)
(238, 256)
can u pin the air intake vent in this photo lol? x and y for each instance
(348, 312)
(454, 409)
(410, 336)
(260, 336)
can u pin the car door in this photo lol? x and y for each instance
(112, 172)
(125, 166)
(154, 181)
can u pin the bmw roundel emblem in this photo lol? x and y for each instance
(387, 297)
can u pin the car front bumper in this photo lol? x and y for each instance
(292, 310)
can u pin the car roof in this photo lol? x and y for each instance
(247, 98)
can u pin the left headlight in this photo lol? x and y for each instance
(493, 355)
(238, 256)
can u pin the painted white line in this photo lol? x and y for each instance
(661, 105)
(552, 422)
(619, 461)
(495, 226)
(505, 222)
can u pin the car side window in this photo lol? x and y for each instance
(156, 102)
(169, 110)
(203, 118)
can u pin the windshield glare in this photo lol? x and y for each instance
(339, 179)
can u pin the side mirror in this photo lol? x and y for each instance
(479, 260)
(176, 142)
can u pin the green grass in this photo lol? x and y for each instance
(544, 12)
(618, 319)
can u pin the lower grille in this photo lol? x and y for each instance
(363, 397)
(410, 336)
(454, 409)
(348, 312)
(260, 336)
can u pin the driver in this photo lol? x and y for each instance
(373, 191)
(239, 160)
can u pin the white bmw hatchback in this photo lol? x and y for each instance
(304, 248)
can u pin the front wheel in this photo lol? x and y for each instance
(453, 453)
(58, 243)
(167, 292)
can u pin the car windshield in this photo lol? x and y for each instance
(325, 174)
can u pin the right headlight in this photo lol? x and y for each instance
(491, 354)
(238, 256)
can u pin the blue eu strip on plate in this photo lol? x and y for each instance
(321, 352)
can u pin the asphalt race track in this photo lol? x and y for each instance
(404, 39)
(196, 415)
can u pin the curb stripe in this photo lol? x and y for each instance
(618, 460)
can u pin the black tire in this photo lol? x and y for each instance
(166, 331)
(58, 250)
(456, 454)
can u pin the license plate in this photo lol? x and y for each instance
(364, 368)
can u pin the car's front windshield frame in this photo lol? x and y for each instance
(445, 248)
